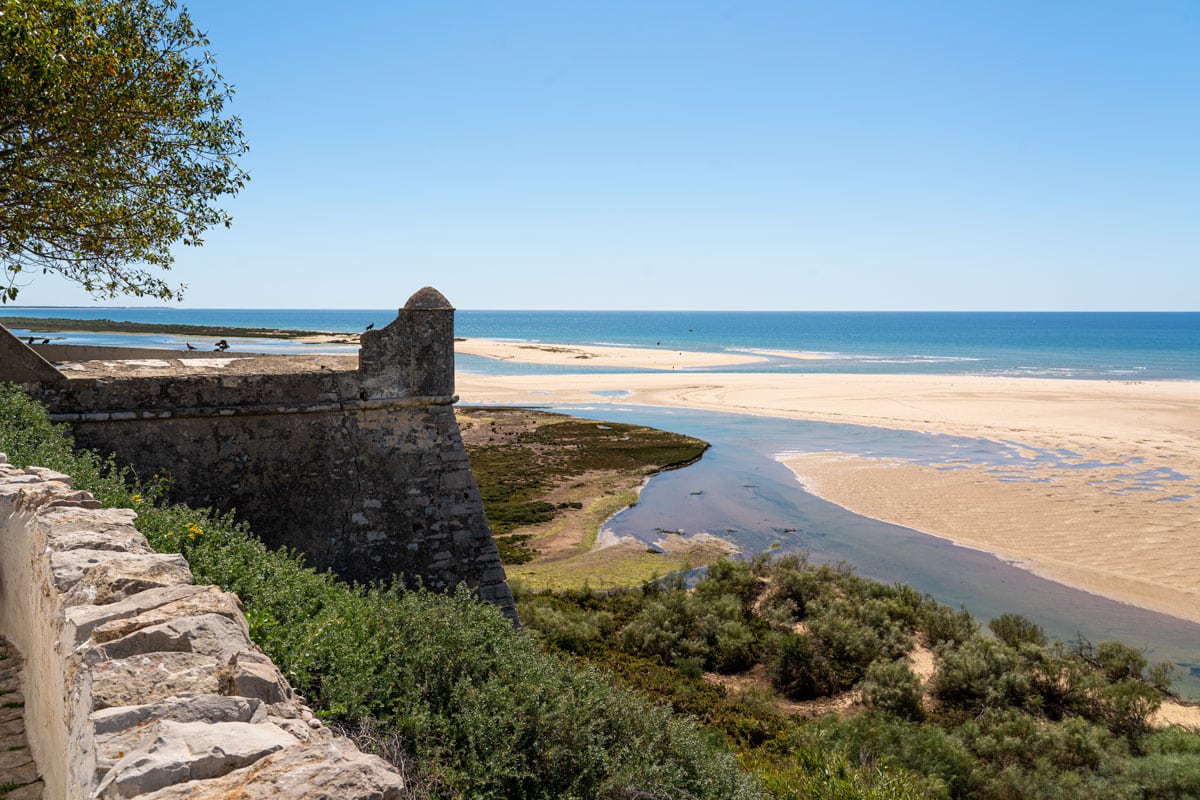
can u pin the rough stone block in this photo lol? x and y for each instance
(49, 474)
(325, 770)
(153, 677)
(207, 600)
(251, 674)
(208, 634)
(116, 579)
(67, 520)
(185, 707)
(82, 619)
(30, 791)
(191, 751)
(129, 542)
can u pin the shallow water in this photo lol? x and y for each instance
(740, 492)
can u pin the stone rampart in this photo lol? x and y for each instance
(138, 683)
(359, 464)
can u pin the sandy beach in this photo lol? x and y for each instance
(598, 356)
(1116, 512)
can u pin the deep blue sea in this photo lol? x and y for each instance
(741, 492)
(1101, 346)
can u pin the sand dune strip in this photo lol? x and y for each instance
(1100, 529)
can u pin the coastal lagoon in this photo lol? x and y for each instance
(742, 492)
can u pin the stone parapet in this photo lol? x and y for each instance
(138, 683)
(363, 470)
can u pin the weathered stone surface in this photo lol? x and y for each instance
(11, 711)
(208, 634)
(21, 364)
(328, 770)
(12, 759)
(304, 730)
(250, 673)
(118, 578)
(23, 773)
(125, 541)
(30, 791)
(150, 678)
(69, 566)
(120, 731)
(181, 708)
(48, 474)
(191, 751)
(13, 726)
(13, 740)
(208, 600)
(82, 619)
(70, 520)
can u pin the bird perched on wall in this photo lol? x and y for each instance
(30, 340)
(189, 346)
(222, 346)
(372, 325)
(45, 341)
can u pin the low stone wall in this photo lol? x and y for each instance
(138, 683)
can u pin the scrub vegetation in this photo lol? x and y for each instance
(616, 694)
(1006, 713)
(544, 476)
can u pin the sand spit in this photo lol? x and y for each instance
(1127, 531)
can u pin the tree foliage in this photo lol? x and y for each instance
(114, 142)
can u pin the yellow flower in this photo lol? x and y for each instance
(137, 498)
(194, 529)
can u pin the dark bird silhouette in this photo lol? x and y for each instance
(222, 346)
(45, 341)
(372, 325)
(189, 346)
(30, 340)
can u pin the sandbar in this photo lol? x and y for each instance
(1100, 529)
(600, 356)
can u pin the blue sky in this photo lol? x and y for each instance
(696, 155)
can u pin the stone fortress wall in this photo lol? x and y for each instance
(359, 465)
(137, 683)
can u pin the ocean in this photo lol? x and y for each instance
(741, 492)
(1091, 346)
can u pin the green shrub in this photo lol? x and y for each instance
(675, 625)
(942, 624)
(565, 627)
(893, 688)
(929, 756)
(849, 644)
(798, 671)
(728, 577)
(1015, 630)
(981, 674)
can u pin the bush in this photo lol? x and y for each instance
(942, 624)
(849, 643)
(797, 670)
(1015, 630)
(728, 577)
(676, 625)
(893, 689)
(982, 674)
